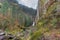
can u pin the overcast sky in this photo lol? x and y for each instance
(29, 3)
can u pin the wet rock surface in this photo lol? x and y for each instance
(5, 36)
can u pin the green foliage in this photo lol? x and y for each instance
(4, 6)
(39, 33)
(46, 22)
(43, 25)
(51, 8)
(28, 21)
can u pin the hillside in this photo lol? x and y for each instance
(16, 21)
(27, 10)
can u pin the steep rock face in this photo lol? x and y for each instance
(49, 18)
(13, 13)
(58, 7)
